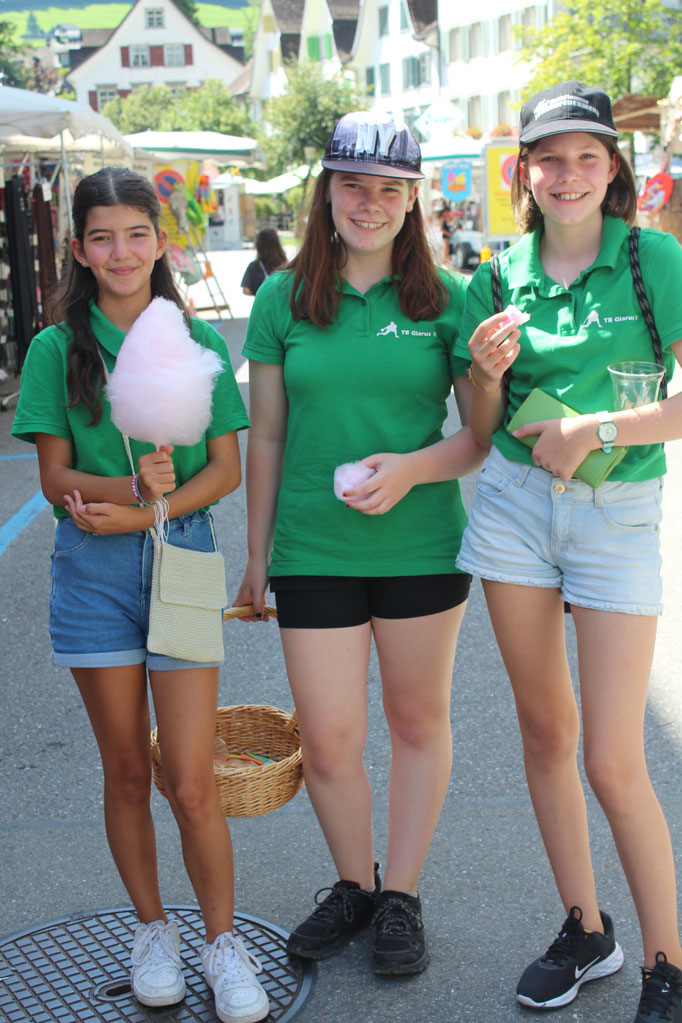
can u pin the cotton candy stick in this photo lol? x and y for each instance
(161, 388)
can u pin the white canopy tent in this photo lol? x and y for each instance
(33, 115)
(197, 145)
(275, 186)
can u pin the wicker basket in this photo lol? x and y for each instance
(250, 791)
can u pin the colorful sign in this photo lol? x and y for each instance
(655, 193)
(500, 159)
(456, 183)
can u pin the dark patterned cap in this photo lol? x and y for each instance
(569, 106)
(372, 143)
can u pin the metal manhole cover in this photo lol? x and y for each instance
(77, 971)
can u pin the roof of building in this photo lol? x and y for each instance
(424, 14)
(288, 14)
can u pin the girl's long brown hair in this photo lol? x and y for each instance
(110, 186)
(422, 295)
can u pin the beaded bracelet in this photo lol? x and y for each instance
(482, 390)
(136, 488)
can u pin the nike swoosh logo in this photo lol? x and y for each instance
(579, 973)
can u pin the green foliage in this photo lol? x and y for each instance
(623, 46)
(110, 15)
(305, 114)
(12, 69)
(211, 107)
(251, 14)
(189, 9)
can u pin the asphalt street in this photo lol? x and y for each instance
(489, 900)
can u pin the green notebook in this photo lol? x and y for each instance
(538, 406)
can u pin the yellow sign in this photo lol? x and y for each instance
(499, 167)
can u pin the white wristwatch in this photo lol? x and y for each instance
(607, 431)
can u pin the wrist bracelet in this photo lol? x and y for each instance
(481, 390)
(134, 483)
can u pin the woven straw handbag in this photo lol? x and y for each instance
(245, 787)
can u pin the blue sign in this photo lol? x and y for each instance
(456, 180)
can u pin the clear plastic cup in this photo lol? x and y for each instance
(634, 383)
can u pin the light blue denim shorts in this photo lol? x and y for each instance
(99, 605)
(600, 547)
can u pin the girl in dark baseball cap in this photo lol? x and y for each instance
(539, 535)
(350, 351)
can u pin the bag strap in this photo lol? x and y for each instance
(645, 307)
(496, 284)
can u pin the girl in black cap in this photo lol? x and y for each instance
(540, 534)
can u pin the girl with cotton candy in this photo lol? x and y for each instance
(350, 351)
(172, 392)
(539, 537)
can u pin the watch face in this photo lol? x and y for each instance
(607, 432)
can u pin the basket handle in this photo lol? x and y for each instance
(246, 610)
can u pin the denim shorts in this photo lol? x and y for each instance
(99, 605)
(600, 547)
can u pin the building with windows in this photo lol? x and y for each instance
(395, 56)
(480, 72)
(155, 44)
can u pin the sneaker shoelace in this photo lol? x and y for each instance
(396, 917)
(229, 957)
(656, 992)
(155, 945)
(338, 897)
(565, 946)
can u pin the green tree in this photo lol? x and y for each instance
(33, 29)
(305, 114)
(251, 14)
(189, 9)
(13, 71)
(211, 107)
(624, 46)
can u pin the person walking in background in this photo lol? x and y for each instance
(101, 580)
(350, 353)
(538, 536)
(270, 256)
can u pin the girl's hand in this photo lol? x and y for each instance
(252, 590)
(157, 476)
(103, 519)
(493, 347)
(562, 444)
(389, 484)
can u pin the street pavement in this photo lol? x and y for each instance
(489, 900)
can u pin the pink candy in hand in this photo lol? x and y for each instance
(514, 316)
(349, 475)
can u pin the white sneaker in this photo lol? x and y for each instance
(230, 971)
(156, 977)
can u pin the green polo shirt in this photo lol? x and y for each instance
(373, 381)
(574, 333)
(99, 449)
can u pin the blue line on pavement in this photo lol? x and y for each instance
(11, 529)
(4, 458)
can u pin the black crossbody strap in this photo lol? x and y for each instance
(496, 283)
(645, 307)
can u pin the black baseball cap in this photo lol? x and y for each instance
(373, 143)
(569, 106)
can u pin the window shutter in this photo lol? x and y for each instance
(92, 99)
(125, 56)
(156, 56)
(189, 59)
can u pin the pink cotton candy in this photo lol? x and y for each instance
(161, 387)
(349, 475)
(515, 316)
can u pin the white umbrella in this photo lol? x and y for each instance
(33, 113)
(196, 145)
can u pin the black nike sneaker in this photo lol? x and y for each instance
(661, 1000)
(344, 911)
(570, 961)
